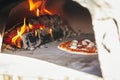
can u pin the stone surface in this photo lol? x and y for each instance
(84, 63)
(13, 67)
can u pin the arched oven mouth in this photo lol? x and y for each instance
(39, 37)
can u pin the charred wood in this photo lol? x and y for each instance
(37, 37)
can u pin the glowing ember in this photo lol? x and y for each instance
(39, 7)
(45, 10)
(41, 27)
(36, 33)
(38, 12)
(50, 31)
(30, 26)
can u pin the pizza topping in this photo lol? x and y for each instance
(91, 44)
(85, 42)
(76, 46)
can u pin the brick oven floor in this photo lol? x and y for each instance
(85, 63)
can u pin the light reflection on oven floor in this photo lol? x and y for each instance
(85, 63)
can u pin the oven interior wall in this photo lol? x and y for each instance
(76, 16)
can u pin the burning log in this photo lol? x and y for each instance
(36, 31)
(30, 41)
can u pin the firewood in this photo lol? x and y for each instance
(37, 37)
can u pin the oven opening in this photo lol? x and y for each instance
(37, 28)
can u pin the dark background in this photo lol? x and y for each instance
(5, 7)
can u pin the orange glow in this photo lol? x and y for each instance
(36, 33)
(50, 31)
(41, 27)
(38, 12)
(17, 39)
(34, 5)
(30, 26)
(39, 7)
(45, 10)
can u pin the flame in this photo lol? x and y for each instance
(38, 12)
(46, 11)
(30, 26)
(17, 39)
(36, 33)
(51, 32)
(41, 27)
(34, 5)
(39, 7)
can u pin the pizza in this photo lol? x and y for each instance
(85, 46)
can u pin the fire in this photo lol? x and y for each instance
(30, 26)
(51, 32)
(38, 12)
(33, 5)
(17, 39)
(39, 7)
(45, 10)
(41, 27)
